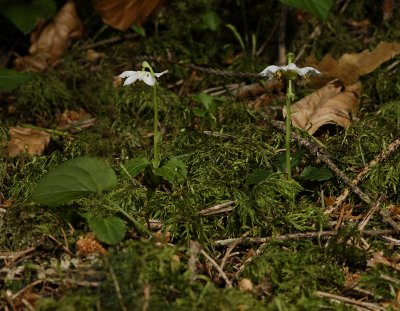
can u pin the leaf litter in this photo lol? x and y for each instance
(141, 274)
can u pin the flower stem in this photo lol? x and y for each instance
(289, 99)
(156, 154)
(156, 133)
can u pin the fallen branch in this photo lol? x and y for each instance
(324, 158)
(350, 301)
(391, 148)
(301, 235)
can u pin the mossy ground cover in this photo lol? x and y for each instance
(232, 153)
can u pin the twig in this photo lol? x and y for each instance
(117, 287)
(250, 259)
(353, 302)
(324, 158)
(391, 148)
(231, 248)
(15, 255)
(219, 269)
(386, 218)
(372, 210)
(108, 41)
(217, 209)
(66, 249)
(316, 33)
(194, 254)
(300, 235)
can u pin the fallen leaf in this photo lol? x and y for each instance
(27, 140)
(87, 245)
(332, 104)
(93, 56)
(121, 14)
(349, 67)
(74, 119)
(49, 41)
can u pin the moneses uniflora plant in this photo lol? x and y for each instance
(148, 77)
(172, 170)
(290, 72)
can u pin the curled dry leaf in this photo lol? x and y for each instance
(121, 14)
(349, 67)
(27, 140)
(49, 41)
(332, 104)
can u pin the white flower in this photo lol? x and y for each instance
(143, 75)
(289, 71)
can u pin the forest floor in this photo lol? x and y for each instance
(215, 224)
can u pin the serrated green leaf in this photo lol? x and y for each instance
(11, 79)
(316, 173)
(173, 170)
(109, 230)
(319, 8)
(73, 179)
(24, 15)
(136, 166)
(257, 176)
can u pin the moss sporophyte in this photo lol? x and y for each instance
(290, 72)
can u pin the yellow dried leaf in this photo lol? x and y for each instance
(349, 67)
(121, 14)
(49, 42)
(27, 140)
(332, 104)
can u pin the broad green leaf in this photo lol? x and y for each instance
(109, 230)
(257, 176)
(280, 160)
(173, 170)
(136, 166)
(316, 173)
(319, 8)
(211, 20)
(11, 79)
(73, 179)
(204, 99)
(24, 14)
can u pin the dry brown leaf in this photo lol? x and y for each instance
(332, 104)
(87, 245)
(49, 41)
(121, 14)
(27, 140)
(349, 67)
(72, 118)
(93, 56)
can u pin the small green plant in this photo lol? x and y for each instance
(171, 170)
(290, 72)
(79, 177)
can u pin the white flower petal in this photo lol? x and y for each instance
(310, 71)
(126, 74)
(131, 79)
(148, 78)
(159, 74)
(291, 67)
(269, 71)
